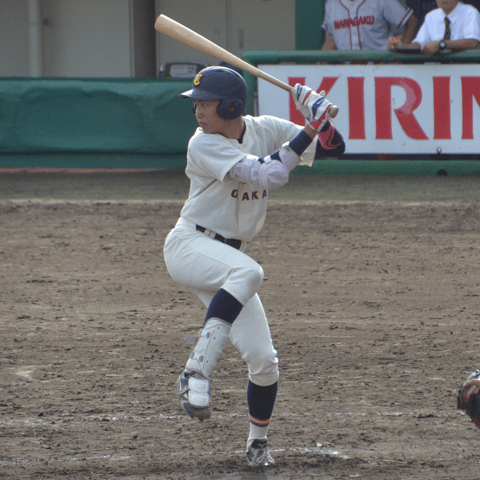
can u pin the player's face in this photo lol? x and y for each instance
(207, 116)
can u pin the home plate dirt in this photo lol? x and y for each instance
(372, 291)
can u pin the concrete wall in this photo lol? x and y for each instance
(90, 38)
(236, 25)
(14, 53)
(116, 38)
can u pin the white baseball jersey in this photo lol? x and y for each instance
(364, 24)
(216, 201)
(464, 23)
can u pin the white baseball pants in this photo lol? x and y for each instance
(205, 265)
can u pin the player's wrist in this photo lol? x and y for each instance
(300, 143)
(310, 131)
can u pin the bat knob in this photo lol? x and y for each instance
(333, 111)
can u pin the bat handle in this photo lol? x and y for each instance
(333, 111)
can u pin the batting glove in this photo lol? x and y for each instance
(312, 105)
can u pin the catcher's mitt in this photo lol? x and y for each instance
(468, 398)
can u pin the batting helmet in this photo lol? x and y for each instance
(220, 83)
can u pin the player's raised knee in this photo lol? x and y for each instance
(254, 277)
(244, 281)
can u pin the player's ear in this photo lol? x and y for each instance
(235, 108)
(194, 108)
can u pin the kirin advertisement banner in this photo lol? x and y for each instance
(401, 108)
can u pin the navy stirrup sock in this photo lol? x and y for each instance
(261, 401)
(224, 306)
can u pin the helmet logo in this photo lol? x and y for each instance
(197, 79)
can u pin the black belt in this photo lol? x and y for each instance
(233, 242)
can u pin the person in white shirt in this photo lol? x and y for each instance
(453, 26)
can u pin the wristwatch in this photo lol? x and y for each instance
(442, 45)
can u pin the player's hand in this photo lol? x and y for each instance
(394, 43)
(312, 105)
(300, 93)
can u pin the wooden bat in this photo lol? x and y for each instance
(193, 39)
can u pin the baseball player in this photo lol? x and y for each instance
(232, 163)
(366, 24)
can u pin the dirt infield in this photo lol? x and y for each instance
(371, 287)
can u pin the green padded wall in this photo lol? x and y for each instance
(94, 116)
(308, 24)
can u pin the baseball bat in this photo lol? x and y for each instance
(193, 39)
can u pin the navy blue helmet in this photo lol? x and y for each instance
(220, 83)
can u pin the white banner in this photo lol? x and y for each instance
(411, 109)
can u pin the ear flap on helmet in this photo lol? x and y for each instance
(234, 109)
